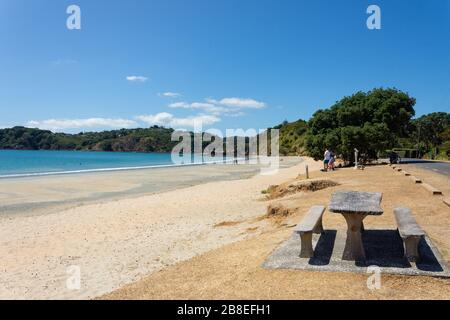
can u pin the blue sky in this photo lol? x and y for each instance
(231, 63)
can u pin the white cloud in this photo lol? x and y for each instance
(180, 105)
(67, 124)
(202, 105)
(170, 94)
(239, 103)
(169, 120)
(227, 106)
(162, 118)
(206, 107)
(209, 112)
(137, 78)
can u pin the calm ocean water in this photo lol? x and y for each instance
(28, 163)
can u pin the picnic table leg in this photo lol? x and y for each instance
(307, 248)
(354, 250)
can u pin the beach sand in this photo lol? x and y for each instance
(119, 227)
(234, 271)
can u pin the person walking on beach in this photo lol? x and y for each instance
(326, 159)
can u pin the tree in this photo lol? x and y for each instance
(370, 122)
(292, 137)
(430, 128)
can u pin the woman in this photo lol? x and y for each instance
(331, 162)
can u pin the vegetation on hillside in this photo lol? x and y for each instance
(372, 122)
(292, 137)
(154, 139)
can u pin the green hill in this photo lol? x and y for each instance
(154, 139)
(292, 137)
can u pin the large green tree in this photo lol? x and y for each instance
(370, 122)
(429, 128)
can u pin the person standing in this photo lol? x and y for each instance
(331, 162)
(326, 159)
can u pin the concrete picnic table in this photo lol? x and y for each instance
(355, 206)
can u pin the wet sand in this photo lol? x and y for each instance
(47, 194)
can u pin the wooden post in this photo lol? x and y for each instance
(307, 172)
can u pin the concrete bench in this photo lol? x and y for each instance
(311, 223)
(410, 232)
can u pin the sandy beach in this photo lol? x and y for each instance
(235, 271)
(119, 227)
(203, 235)
(212, 157)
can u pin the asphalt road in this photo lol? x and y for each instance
(438, 167)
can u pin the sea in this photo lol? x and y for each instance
(26, 163)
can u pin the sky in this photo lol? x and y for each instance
(227, 63)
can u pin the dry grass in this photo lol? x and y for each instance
(289, 188)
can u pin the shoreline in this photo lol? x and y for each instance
(34, 195)
(60, 173)
(191, 161)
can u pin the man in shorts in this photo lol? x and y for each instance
(326, 159)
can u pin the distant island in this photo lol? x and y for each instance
(373, 122)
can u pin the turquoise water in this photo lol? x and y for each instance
(28, 163)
